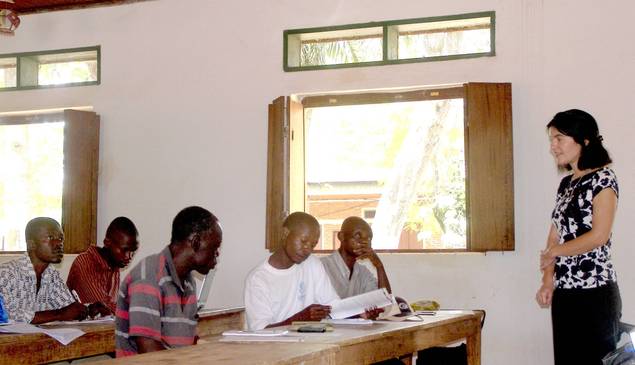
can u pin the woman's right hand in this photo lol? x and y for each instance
(544, 295)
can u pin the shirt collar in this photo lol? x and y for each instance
(26, 266)
(93, 253)
(171, 270)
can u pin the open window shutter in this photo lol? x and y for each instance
(297, 186)
(285, 190)
(277, 172)
(81, 159)
(490, 166)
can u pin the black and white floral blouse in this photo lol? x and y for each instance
(572, 217)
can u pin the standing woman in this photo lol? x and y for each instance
(579, 281)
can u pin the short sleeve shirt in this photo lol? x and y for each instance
(93, 279)
(573, 217)
(361, 281)
(273, 295)
(154, 303)
(18, 287)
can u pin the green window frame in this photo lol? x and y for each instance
(292, 43)
(27, 66)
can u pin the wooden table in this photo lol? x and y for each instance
(345, 345)
(99, 339)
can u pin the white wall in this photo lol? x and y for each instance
(183, 102)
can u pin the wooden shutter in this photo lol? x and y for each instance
(277, 172)
(81, 159)
(285, 166)
(490, 166)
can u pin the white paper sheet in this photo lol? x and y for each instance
(102, 320)
(358, 304)
(63, 335)
(260, 333)
(349, 321)
(261, 339)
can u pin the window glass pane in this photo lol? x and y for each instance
(8, 72)
(340, 47)
(399, 165)
(446, 38)
(66, 68)
(31, 178)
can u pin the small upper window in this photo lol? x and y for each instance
(390, 42)
(70, 67)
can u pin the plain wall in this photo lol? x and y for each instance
(183, 105)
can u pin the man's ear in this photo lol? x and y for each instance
(340, 236)
(30, 245)
(195, 241)
(107, 242)
(285, 233)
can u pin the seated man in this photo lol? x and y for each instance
(95, 273)
(291, 285)
(156, 308)
(347, 275)
(32, 289)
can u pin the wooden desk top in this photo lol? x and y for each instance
(98, 339)
(345, 345)
(40, 348)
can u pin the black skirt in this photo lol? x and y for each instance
(585, 324)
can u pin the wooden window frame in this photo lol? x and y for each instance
(81, 160)
(488, 157)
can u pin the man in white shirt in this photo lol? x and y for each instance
(348, 276)
(291, 285)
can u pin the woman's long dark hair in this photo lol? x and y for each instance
(581, 126)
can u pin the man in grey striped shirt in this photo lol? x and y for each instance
(156, 306)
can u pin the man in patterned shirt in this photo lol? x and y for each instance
(32, 289)
(157, 306)
(95, 273)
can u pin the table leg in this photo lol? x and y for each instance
(474, 348)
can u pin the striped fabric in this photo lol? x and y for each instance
(93, 279)
(153, 303)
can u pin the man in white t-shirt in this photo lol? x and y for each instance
(291, 285)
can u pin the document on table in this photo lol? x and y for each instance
(349, 321)
(259, 336)
(260, 333)
(63, 335)
(358, 304)
(102, 320)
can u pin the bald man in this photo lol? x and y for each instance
(290, 285)
(347, 275)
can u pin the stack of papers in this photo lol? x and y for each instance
(259, 336)
(102, 320)
(349, 321)
(261, 333)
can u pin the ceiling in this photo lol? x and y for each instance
(37, 6)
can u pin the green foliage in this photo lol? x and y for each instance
(341, 51)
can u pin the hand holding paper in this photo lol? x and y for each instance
(358, 304)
